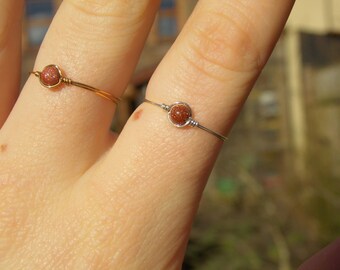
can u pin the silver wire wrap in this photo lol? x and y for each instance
(192, 122)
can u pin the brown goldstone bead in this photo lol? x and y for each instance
(50, 76)
(179, 114)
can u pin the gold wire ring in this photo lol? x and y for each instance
(52, 76)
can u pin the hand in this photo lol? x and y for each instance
(75, 196)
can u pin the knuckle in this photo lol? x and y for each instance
(224, 42)
(95, 7)
(97, 19)
(127, 9)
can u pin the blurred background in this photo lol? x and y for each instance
(273, 198)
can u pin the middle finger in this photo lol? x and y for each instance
(96, 42)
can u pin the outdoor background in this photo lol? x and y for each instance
(273, 198)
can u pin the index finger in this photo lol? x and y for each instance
(212, 67)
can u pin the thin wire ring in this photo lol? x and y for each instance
(59, 78)
(187, 120)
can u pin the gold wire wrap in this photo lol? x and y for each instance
(98, 92)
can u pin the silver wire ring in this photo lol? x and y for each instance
(180, 115)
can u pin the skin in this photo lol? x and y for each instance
(75, 196)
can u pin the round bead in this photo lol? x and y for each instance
(50, 76)
(180, 114)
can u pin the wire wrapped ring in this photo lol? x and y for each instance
(51, 77)
(179, 114)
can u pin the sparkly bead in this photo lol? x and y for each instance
(180, 114)
(50, 76)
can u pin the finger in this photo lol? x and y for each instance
(162, 171)
(327, 258)
(10, 54)
(96, 43)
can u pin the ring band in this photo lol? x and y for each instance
(52, 76)
(179, 114)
